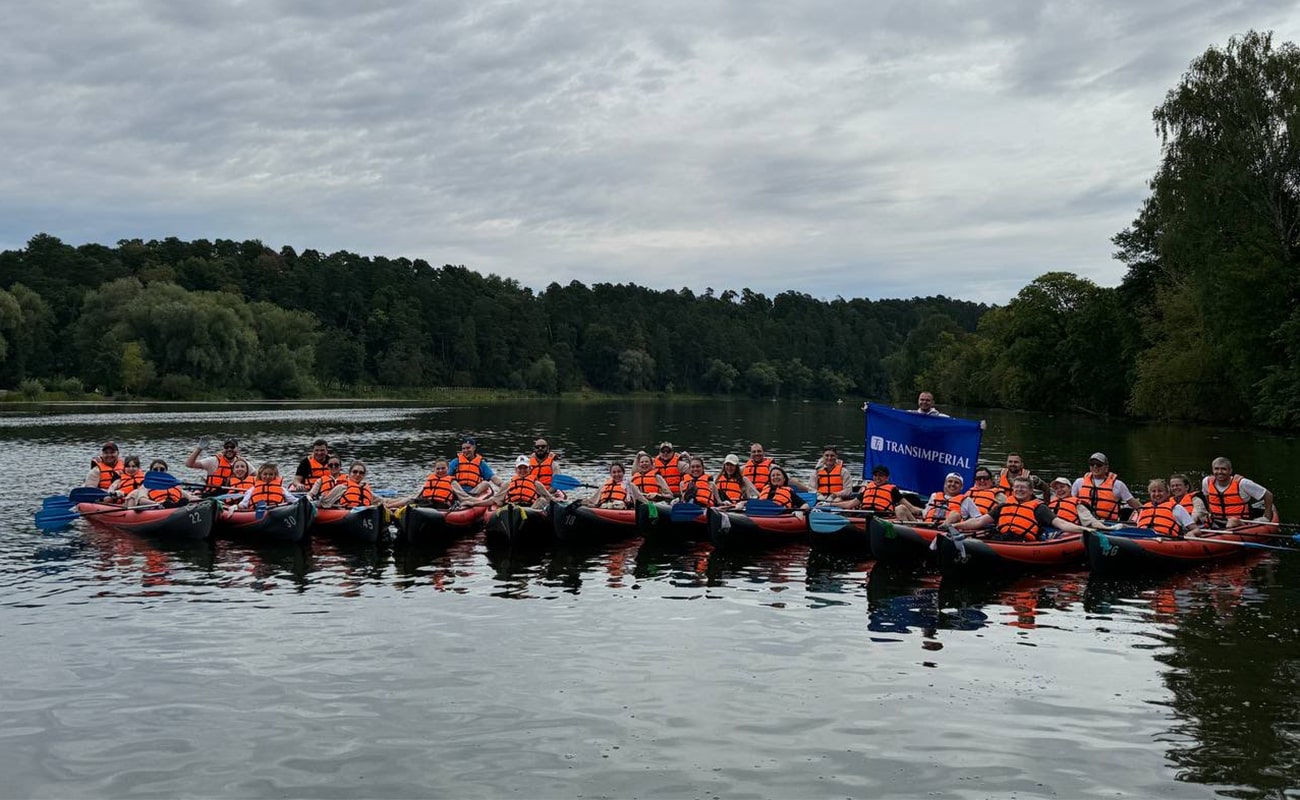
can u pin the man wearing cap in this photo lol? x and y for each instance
(941, 504)
(105, 469)
(1102, 490)
(471, 471)
(1068, 507)
(1229, 496)
(312, 468)
(881, 496)
(1022, 518)
(669, 467)
(219, 467)
(522, 489)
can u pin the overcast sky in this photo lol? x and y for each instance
(854, 148)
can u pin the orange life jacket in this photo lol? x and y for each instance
(317, 470)
(356, 495)
(1067, 508)
(878, 498)
(984, 499)
(437, 490)
(671, 470)
(221, 476)
(1159, 517)
(759, 474)
(240, 484)
(612, 491)
(781, 495)
(646, 482)
(941, 505)
(1101, 499)
(1188, 502)
(107, 474)
(542, 471)
(469, 473)
(829, 482)
(730, 487)
(521, 491)
(329, 480)
(271, 494)
(1228, 502)
(169, 495)
(700, 492)
(129, 483)
(1017, 519)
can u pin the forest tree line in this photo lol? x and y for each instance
(177, 320)
(1204, 326)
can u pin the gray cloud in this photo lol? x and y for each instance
(877, 149)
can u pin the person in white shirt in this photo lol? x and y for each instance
(1229, 497)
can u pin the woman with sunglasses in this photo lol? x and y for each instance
(333, 476)
(171, 497)
(355, 492)
(979, 500)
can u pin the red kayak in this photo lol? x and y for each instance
(193, 521)
(736, 529)
(971, 556)
(1137, 551)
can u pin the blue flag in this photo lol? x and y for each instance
(920, 450)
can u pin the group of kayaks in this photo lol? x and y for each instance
(1122, 551)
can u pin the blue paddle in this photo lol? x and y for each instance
(766, 508)
(685, 512)
(567, 483)
(826, 522)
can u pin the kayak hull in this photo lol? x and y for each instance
(972, 557)
(576, 522)
(852, 537)
(894, 542)
(364, 525)
(659, 524)
(283, 523)
(421, 525)
(1111, 554)
(190, 522)
(737, 530)
(515, 526)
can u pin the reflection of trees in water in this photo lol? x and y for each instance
(1234, 658)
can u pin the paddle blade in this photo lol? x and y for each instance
(259, 511)
(159, 480)
(86, 494)
(565, 483)
(826, 522)
(765, 508)
(57, 501)
(685, 512)
(48, 520)
(808, 497)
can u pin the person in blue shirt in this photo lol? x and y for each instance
(471, 471)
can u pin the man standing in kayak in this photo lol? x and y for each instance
(1230, 496)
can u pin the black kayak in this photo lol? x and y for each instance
(893, 541)
(577, 522)
(283, 523)
(422, 525)
(513, 525)
(365, 524)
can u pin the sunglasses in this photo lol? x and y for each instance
(334, 465)
(358, 472)
(983, 477)
(665, 449)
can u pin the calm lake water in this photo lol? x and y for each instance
(130, 669)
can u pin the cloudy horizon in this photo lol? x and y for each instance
(859, 150)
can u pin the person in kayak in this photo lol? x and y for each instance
(472, 472)
(105, 469)
(171, 497)
(696, 485)
(217, 467)
(334, 475)
(650, 486)
(830, 480)
(880, 496)
(355, 492)
(522, 490)
(1180, 489)
(1015, 468)
(1163, 514)
(132, 478)
(1228, 497)
(941, 504)
(616, 492)
(731, 487)
(311, 468)
(981, 499)
(438, 491)
(778, 490)
(1023, 518)
(757, 467)
(1103, 491)
(1070, 508)
(267, 489)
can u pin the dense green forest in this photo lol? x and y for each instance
(1204, 326)
(177, 319)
